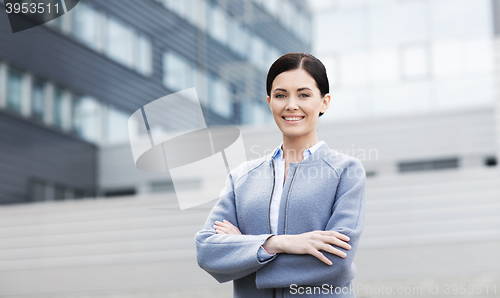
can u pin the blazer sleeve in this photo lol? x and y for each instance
(347, 218)
(228, 257)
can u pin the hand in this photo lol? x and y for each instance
(225, 228)
(309, 243)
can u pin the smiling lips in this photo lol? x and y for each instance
(293, 119)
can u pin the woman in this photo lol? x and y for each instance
(289, 223)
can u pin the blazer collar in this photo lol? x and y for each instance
(321, 152)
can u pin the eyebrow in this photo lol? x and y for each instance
(300, 89)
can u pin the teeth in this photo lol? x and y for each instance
(293, 119)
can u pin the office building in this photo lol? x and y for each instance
(69, 86)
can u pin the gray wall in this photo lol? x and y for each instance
(29, 151)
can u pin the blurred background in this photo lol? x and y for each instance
(414, 87)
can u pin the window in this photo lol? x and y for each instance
(58, 107)
(14, 89)
(183, 8)
(255, 113)
(216, 21)
(272, 6)
(144, 59)
(87, 120)
(120, 41)
(219, 96)
(116, 125)
(429, 165)
(120, 192)
(258, 52)
(239, 37)
(86, 23)
(38, 100)
(178, 73)
(199, 14)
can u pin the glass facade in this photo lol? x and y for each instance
(38, 100)
(178, 71)
(87, 121)
(86, 26)
(14, 90)
(119, 42)
(406, 56)
(96, 121)
(109, 35)
(58, 112)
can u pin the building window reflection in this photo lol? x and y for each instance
(58, 107)
(144, 58)
(216, 22)
(38, 100)
(178, 73)
(87, 119)
(116, 125)
(14, 90)
(86, 27)
(119, 42)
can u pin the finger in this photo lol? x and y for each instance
(223, 224)
(224, 229)
(335, 234)
(227, 222)
(333, 250)
(231, 227)
(337, 242)
(220, 223)
(220, 232)
(340, 236)
(321, 257)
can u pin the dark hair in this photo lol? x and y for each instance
(304, 61)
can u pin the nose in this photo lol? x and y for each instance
(292, 104)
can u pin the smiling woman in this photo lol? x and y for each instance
(270, 231)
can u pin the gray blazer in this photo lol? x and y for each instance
(324, 192)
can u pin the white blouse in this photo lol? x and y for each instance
(279, 174)
(279, 178)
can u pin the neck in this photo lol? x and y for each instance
(294, 147)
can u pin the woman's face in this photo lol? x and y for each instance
(294, 93)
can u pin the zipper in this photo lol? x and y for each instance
(286, 208)
(271, 199)
(269, 216)
(287, 195)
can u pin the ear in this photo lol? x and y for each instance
(268, 100)
(325, 102)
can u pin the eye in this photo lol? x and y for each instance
(279, 96)
(304, 95)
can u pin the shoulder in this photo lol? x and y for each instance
(246, 167)
(342, 163)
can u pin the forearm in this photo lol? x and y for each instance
(305, 269)
(229, 257)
